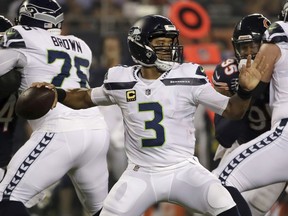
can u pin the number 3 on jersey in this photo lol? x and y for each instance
(54, 55)
(153, 124)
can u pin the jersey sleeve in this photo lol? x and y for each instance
(12, 39)
(100, 97)
(9, 59)
(212, 100)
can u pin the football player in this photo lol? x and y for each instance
(263, 160)
(247, 39)
(7, 115)
(158, 98)
(64, 140)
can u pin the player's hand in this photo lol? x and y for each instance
(251, 73)
(49, 86)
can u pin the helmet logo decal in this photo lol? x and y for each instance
(28, 11)
(170, 27)
(39, 16)
(135, 33)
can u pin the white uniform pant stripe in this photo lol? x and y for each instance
(26, 164)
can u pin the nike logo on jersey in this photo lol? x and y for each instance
(216, 74)
(67, 44)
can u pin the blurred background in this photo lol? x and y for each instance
(206, 28)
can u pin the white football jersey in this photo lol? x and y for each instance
(46, 57)
(278, 34)
(159, 116)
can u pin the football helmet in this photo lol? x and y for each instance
(45, 14)
(248, 32)
(283, 16)
(139, 43)
(4, 25)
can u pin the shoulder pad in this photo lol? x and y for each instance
(119, 74)
(189, 69)
(275, 34)
(119, 78)
(200, 71)
(227, 70)
(13, 39)
(226, 75)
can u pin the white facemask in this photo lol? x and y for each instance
(243, 62)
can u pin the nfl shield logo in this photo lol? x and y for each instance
(148, 91)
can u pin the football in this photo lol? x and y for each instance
(33, 103)
(9, 83)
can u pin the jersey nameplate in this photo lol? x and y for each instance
(67, 44)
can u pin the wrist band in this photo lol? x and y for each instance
(61, 94)
(243, 94)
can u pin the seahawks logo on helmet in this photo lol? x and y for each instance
(135, 33)
(45, 14)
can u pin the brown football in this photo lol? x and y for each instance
(33, 103)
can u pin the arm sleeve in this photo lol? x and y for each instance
(100, 97)
(9, 59)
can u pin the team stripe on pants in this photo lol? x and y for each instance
(251, 150)
(26, 164)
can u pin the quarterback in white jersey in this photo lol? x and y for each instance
(158, 100)
(64, 140)
(263, 160)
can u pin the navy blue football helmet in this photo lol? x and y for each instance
(45, 14)
(4, 24)
(249, 29)
(139, 42)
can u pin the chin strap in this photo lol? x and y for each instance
(164, 65)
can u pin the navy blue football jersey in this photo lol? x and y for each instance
(257, 119)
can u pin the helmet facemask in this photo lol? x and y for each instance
(167, 55)
(247, 36)
(246, 47)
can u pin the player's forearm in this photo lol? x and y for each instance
(227, 131)
(236, 107)
(77, 99)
